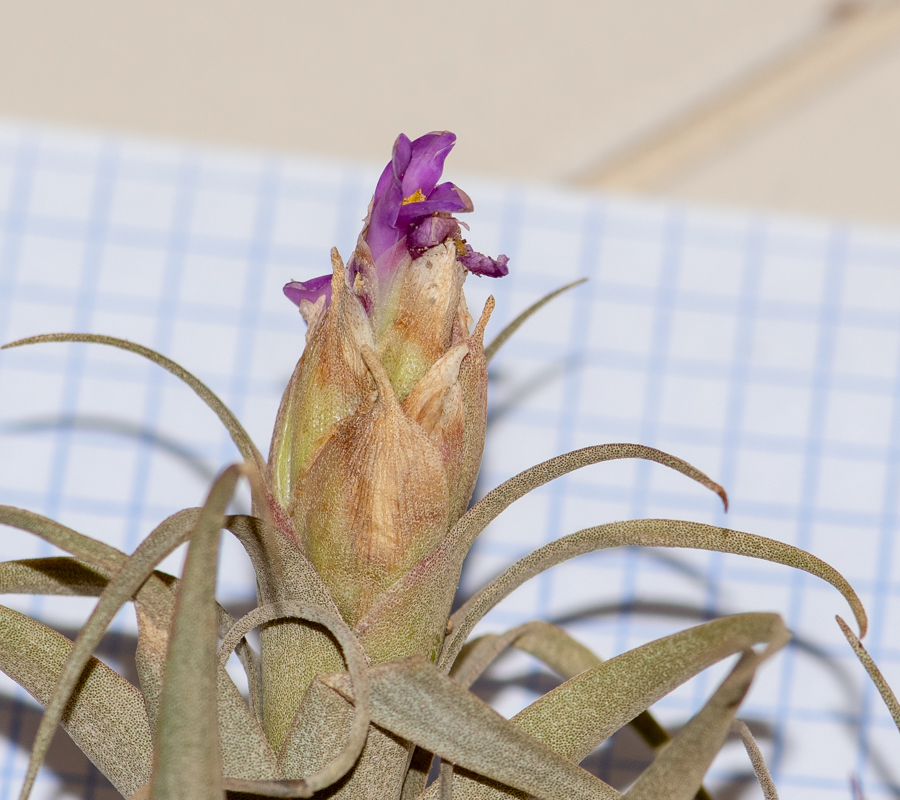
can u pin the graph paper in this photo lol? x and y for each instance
(764, 350)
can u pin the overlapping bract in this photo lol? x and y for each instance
(358, 536)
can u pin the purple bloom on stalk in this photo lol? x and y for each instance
(410, 213)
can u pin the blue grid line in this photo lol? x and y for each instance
(667, 289)
(828, 322)
(166, 310)
(887, 528)
(344, 191)
(733, 434)
(590, 235)
(248, 320)
(14, 226)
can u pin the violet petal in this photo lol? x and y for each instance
(383, 232)
(481, 264)
(311, 290)
(444, 198)
(424, 168)
(429, 232)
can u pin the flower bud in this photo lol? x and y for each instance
(375, 500)
(380, 432)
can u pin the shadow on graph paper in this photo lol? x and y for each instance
(621, 760)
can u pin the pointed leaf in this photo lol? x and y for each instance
(291, 653)
(105, 717)
(578, 716)
(884, 689)
(559, 651)
(188, 762)
(413, 700)
(321, 728)
(132, 576)
(417, 774)
(356, 664)
(239, 436)
(501, 338)
(429, 587)
(679, 768)
(50, 576)
(98, 555)
(756, 759)
(645, 533)
(279, 563)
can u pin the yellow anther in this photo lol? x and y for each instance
(416, 197)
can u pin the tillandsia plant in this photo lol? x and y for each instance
(360, 525)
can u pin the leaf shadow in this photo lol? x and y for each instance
(116, 427)
(73, 772)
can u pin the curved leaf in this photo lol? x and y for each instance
(678, 770)
(563, 654)
(415, 701)
(884, 689)
(132, 576)
(356, 664)
(429, 587)
(645, 533)
(188, 761)
(105, 717)
(239, 436)
(756, 759)
(57, 575)
(501, 338)
(577, 717)
(99, 555)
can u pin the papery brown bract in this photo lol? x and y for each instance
(358, 536)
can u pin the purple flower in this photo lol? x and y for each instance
(410, 213)
(311, 290)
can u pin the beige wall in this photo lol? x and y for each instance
(536, 90)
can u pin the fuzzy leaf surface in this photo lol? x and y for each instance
(884, 688)
(410, 617)
(678, 770)
(644, 533)
(134, 574)
(188, 762)
(51, 576)
(577, 717)
(412, 699)
(105, 715)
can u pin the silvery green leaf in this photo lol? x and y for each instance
(501, 338)
(644, 533)
(106, 716)
(559, 651)
(50, 576)
(322, 728)
(678, 769)
(414, 610)
(291, 652)
(577, 717)
(756, 759)
(188, 761)
(415, 701)
(290, 758)
(98, 555)
(884, 689)
(134, 574)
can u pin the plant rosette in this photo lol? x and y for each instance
(361, 522)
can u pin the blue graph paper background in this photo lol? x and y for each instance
(764, 350)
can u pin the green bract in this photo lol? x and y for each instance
(358, 535)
